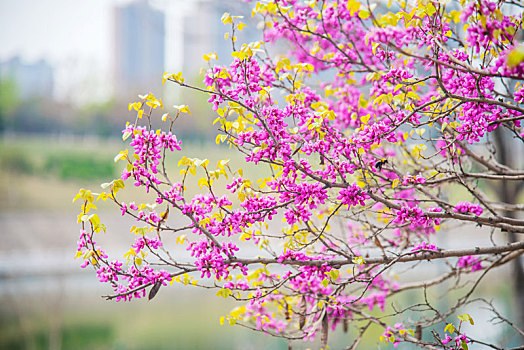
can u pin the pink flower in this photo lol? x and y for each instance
(424, 246)
(466, 208)
(352, 195)
(469, 261)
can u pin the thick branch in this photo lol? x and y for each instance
(413, 256)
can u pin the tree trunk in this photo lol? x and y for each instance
(508, 192)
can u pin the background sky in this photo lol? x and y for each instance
(56, 29)
(75, 37)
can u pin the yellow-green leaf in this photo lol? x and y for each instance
(241, 26)
(334, 274)
(363, 14)
(515, 56)
(353, 6)
(449, 328)
(226, 18)
(121, 155)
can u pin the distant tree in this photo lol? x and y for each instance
(9, 101)
(415, 127)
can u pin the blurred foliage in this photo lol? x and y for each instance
(83, 336)
(102, 119)
(38, 172)
(66, 164)
(16, 162)
(178, 319)
(8, 101)
(79, 166)
(34, 116)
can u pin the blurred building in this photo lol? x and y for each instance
(139, 31)
(203, 31)
(32, 80)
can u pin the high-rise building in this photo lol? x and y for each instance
(32, 80)
(139, 49)
(203, 31)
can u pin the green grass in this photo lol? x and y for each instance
(81, 336)
(79, 166)
(43, 173)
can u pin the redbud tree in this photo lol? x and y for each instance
(384, 127)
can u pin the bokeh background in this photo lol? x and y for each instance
(68, 70)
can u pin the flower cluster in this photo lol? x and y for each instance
(212, 259)
(137, 277)
(459, 341)
(415, 216)
(466, 208)
(352, 195)
(413, 179)
(141, 242)
(470, 261)
(420, 247)
(148, 147)
(489, 25)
